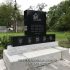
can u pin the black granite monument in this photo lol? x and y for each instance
(35, 23)
(35, 29)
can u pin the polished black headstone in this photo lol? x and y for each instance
(34, 22)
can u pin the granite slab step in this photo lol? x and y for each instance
(2, 65)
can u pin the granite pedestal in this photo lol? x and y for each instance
(29, 59)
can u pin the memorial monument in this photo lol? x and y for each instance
(36, 44)
(35, 29)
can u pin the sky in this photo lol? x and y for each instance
(24, 4)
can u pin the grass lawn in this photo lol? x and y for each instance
(59, 35)
(11, 34)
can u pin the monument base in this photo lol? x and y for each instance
(32, 59)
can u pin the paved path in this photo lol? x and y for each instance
(59, 65)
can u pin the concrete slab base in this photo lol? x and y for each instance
(2, 65)
(58, 65)
(32, 58)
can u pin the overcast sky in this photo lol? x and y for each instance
(24, 4)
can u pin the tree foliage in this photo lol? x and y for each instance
(59, 16)
(38, 7)
(41, 6)
(7, 14)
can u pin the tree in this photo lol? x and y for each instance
(31, 8)
(41, 6)
(7, 14)
(58, 16)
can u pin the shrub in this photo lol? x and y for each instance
(68, 36)
(1, 52)
(4, 41)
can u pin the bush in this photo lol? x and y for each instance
(4, 41)
(65, 44)
(68, 36)
(1, 52)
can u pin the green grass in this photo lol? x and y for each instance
(11, 34)
(59, 35)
